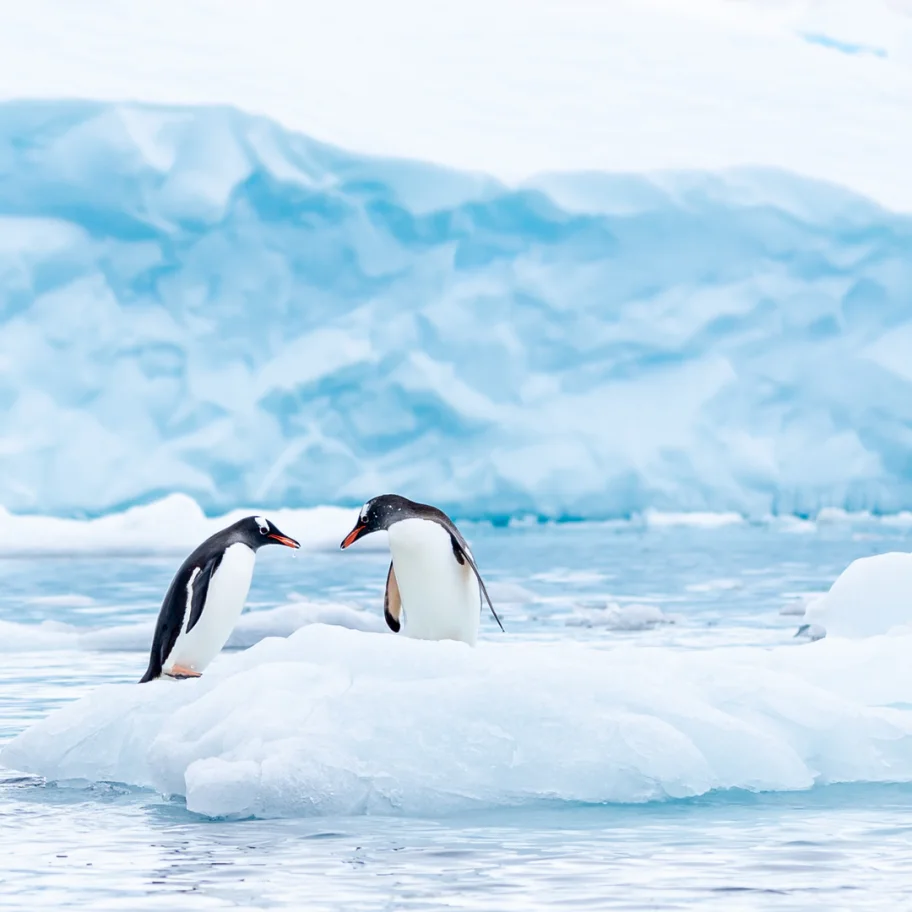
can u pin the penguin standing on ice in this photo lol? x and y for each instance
(433, 588)
(206, 598)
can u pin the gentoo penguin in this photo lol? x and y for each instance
(206, 598)
(433, 587)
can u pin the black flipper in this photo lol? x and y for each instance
(463, 555)
(392, 601)
(201, 589)
(171, 616)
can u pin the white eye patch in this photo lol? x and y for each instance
(364, 511)
(261, 522)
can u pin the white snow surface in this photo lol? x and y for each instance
(510, 87)
(334, 721)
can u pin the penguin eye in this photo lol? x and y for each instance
(263, 525)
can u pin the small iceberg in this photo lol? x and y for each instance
(872, 596)
(332, 721)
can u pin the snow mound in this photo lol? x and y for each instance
(252, 627)
(873, 595)
(195, 300)
(334, 721)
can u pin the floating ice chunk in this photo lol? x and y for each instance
(794, 525)
(335, 721)
(620, 617)
(657, 518)
(811, 632)
(715, 585)
(873, 595)
(252, 627)
(798, 603)
(903, 519)
(837, 515)
(49, 635)
(63, 600)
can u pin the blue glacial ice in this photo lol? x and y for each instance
(195, 300)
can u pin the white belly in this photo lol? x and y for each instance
(440, 596)
(225, 601)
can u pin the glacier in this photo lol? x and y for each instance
(197, 301)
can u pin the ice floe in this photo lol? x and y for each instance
(336, 721)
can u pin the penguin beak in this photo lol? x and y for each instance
(284, 540)
(353, 536)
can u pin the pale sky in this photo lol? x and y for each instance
(511, 87)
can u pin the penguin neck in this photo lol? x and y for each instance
(417, 538)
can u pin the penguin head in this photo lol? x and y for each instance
(379, 513)
(257, 531)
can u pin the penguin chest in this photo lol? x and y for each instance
(440, 596)
(225, 600)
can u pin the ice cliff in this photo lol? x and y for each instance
(196, 300)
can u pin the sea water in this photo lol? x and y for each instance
(690, 590)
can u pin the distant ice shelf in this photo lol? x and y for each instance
(176, 524)
(194, 300)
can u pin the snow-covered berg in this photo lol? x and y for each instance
(196, 300)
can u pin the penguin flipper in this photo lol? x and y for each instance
(464, 556)
(187, 592)
(392, 601)
(198, 588)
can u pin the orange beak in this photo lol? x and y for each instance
(285, 540)
(352, 536)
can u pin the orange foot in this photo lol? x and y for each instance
(179, 671)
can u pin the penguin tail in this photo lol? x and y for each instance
(152, 672)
